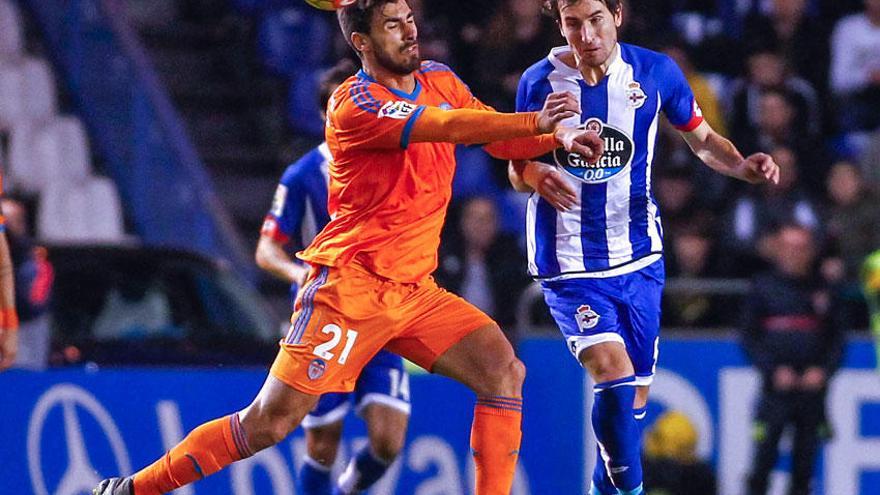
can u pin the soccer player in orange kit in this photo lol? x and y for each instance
(8, 316)
(391, 130)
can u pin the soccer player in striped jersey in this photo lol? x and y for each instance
(594, 233)
(381, 395)
(392, 130)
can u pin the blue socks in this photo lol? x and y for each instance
(602, 484)
(314, 479)
(619, 436)
(361, 472)
(640, 414)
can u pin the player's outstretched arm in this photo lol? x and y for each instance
(721, 155)
(557, 105)
(8, 316)
(271, 257)
(484, 125)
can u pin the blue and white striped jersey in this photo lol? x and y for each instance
(616, 228)
(299, 208)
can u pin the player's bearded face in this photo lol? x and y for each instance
(395, 39)
(400, 58)
(590, 29)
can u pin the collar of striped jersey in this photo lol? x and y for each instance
(555, 57)
(409, 96)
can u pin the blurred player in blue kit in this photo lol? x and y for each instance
(381, 398)
(595, 241)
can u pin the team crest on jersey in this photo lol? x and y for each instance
(279, 199)
(635, 96)
(619, 151)
(317, 368)
(586, 317)
(397, 110)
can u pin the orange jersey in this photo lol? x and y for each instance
(387, 197)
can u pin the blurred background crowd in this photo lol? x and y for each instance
(799, 79)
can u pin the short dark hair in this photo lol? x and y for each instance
(551, 7)
(356, 17)
(332, 78)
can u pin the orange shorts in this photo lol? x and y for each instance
(344, 316)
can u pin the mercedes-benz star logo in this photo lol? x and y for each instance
(80, 476)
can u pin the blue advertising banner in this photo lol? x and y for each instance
(64, 430)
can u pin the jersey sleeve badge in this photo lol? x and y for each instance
(397, 110)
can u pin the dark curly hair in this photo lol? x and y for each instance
(551, 7)
(356, 17)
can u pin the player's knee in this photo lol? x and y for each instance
(387, 446)
(323, 447)
(278, 428)
(606, 362)
(265, 430)
(504, 377)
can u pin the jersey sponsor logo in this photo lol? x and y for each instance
(397, 110)
(619, 152)
(279, 199)
(316, 369)
(586, 317)
(635, 96)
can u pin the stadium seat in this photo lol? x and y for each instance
(62, 148)
(105, 211)
(63, 214)
(294, 38)
(11, 31)
(10, 94)
(23, 172)
(38, 90)
(80, 212)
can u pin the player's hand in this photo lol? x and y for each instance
(588, 144)
(784, 378)
(547, 181)
(758, 169)
(299, 274)
(813, 379)
(8, 348)
(557, 107)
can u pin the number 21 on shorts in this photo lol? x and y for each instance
(324, 351)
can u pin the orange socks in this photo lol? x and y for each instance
(495, 439)
(206, 450)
